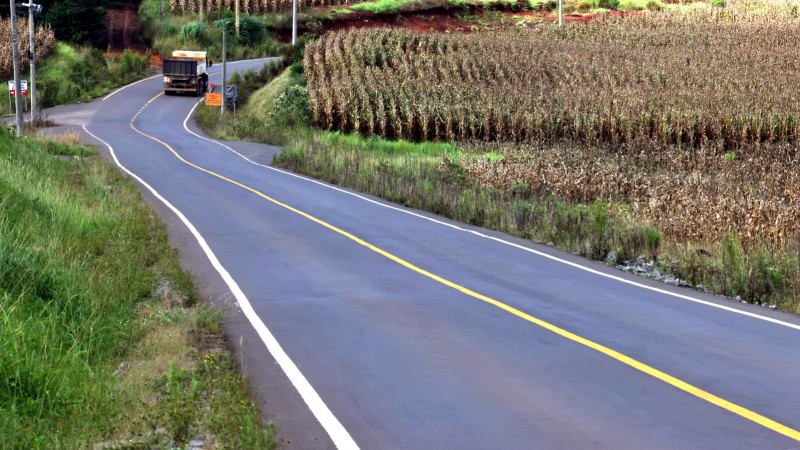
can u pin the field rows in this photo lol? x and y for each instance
(690, 118)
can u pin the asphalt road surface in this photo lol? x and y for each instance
(365, 324)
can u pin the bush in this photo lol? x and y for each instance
(130, 66)
(291, 107)
(169, 28)
(609, 4)
(193, 31)
(655, 5)
(251, 30)
(585, 5)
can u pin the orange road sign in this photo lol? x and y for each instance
(213, 99)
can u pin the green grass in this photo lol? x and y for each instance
(73, 74)
(165, 34)
(639, 5)
(383, 6)
(88, 280)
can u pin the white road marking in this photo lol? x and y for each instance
(129, 85)
(496, 239)
(339, 435)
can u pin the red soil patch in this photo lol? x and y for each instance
(155, 59)
(440, 20)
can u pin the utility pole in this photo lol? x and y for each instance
(201, 10)
(560, 12)
(294, 22)
(224, 70)
(33, 8)
(162, 9)
(15, 55)
(237, 18)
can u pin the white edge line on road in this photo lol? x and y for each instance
(339, 435)
(496, 239)
(156, 76)
(127, 86)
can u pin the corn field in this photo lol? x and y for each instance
(672, 78)
(697, 196)
(45, 43)
(691, 119)
(246, 6)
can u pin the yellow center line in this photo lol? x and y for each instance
(627, 360)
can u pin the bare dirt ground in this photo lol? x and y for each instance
(442, 20)
(124, 32)
(123, 29)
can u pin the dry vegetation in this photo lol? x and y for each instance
(45, 43)
(690, 118)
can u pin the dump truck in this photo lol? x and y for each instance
(185, 71)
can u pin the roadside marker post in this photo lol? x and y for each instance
(15, 56)
(224, 68)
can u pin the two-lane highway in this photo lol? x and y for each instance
(398, 329)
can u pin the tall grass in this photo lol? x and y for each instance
(83, 264)
(73, 74)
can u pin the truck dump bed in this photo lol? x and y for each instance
(175, 67)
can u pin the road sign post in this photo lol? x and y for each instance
(12, 92)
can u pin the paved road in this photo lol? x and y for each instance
(411, 331)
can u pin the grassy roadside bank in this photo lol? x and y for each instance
(105, 341)
(74, 74)
(433, 177)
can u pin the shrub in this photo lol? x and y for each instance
(584, 5)
(193, 31)
(609, 4)
(169, 28)
(252, 31)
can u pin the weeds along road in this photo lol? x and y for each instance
(396, 329)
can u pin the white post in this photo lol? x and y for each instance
(17, 84)
(224, 70)
(560, 12)
(294, 22)
(32, 59)
(237, 18)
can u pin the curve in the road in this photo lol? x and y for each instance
(629, 361)
(338, 434)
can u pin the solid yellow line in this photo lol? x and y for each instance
(642, 367)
